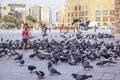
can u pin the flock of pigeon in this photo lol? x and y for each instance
(75, 49)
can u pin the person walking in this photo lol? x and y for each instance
(25, 36)
(44, 28)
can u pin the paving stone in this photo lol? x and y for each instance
(108, 76)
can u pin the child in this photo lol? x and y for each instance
(25, 36)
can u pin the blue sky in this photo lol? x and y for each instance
(54, 4)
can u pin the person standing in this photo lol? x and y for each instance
(95, 28)
(44, 28)
(25, 36)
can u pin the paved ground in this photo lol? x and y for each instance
(10, 70)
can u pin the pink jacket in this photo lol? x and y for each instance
(25, 34)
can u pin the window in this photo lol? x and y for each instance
(98, 19)
(12, 10)
(68, 24)
(98, 13)
(86, 19)
(75, 8)
(72, 14)
(105, 24)
(68, 20)
(68, 14)
(105, 12)
(81, 13)
(105, 19)
(111, 19)
(111, 12)
(86, 13)
(98, 24)
(79, 7)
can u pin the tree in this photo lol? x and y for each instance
(30, 18)
(12, 20)
(1, 20)
(5, 19)
(8, 19)
(18, 21)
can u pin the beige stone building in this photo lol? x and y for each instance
(17, 10)
(7, 10)
(117, 20)
(62, 14)
(100, 11)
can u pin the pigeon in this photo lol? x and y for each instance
(81, 77)
(1, 56)
(106, 56)
(55, 58)
(1, 40)
(86, 64)
(71, 61)
(22, 62)
(44, 34)
(40, 74)
(101, 63)
(19, 57)
(31, 68)
(62, 36)
(52, 70)
(32, 56)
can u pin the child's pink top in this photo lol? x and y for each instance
(25, 34)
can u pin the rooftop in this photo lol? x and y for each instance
(17, 5)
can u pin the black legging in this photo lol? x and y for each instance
(45, 30)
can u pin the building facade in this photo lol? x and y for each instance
(41, 14)
(57, 18)
(117, 20)
(63, 17)
(46, 15)
(0, 10)
(17, 10)
(100, 11)
(35, 12)
(6, 10)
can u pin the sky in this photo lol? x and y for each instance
(54, 4)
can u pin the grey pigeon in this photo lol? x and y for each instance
(22, 62)
(40, 74)
(31, 68)
(81, 77)
(52, 70)
(101, 63)
(86, 65)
